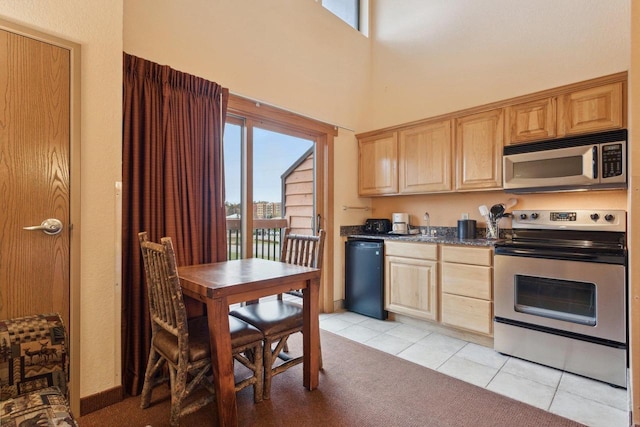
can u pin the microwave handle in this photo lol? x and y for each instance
(594, 161)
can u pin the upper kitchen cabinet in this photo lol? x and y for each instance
(425, 158)
(592, 110)
(462, 150)
(378, 164)
(479, 141)
(531, 121)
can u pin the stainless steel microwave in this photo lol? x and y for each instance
(595, 161)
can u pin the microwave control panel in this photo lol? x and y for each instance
(611, 160)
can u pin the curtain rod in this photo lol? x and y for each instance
(258, 102)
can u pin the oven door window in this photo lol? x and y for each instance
(556, 299)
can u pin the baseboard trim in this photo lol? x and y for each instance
(101, 400)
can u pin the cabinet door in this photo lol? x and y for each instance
(411, 287)
(425, 158)
(531, 121)
(592, 110)
(479, 140)
(378, 165)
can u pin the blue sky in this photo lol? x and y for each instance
(273, 154)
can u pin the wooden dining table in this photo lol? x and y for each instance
(223, 283)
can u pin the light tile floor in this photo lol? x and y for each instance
(586, 401)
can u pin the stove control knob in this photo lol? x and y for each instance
(595, 216)
(534, 216)
(523, 216)
(608, 217)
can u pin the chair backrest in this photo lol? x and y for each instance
(166, 303)
(302, 249)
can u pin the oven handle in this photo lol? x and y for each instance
(560, 255)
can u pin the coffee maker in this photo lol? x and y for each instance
(400, 223)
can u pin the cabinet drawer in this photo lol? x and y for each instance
(467, 280)
(468, 313)
(467, 255)
(411, 250)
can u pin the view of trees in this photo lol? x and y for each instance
(232, 208)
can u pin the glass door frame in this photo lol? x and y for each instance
(255, 114)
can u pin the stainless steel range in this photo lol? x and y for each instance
(561, 294)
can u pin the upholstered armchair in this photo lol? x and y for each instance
(34, 372)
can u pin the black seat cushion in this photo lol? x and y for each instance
(243, 333)
(199, 346)
(271, 317)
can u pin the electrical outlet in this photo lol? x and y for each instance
(465, 216)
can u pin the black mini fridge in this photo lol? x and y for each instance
(364, 277)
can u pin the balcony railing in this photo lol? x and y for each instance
(267, 235)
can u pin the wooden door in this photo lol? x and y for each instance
(425, 158)
(34, 176)
(479, 141)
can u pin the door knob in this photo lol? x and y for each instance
(50, 226)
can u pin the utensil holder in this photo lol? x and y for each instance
(493, 229)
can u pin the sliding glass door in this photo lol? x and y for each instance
(270, 185)
(268, 148)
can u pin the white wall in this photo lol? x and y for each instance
(97, 27)
(633, 234)
(436, 57)
(292, 54)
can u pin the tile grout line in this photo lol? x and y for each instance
(497, 372)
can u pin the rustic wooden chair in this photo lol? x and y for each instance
(279, 319)
(183, 344)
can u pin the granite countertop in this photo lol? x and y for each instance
(447, 240)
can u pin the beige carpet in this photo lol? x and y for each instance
(359, 386)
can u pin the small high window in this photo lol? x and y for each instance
(347, 10)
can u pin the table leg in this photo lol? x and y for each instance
(222, 361)
(311, 334)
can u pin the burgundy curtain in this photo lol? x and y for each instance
(173, 185)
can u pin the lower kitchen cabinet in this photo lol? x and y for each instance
(467, 288)
(411, 279)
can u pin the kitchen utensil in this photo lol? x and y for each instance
(492, 224)
(497, 211)
(511, 203)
